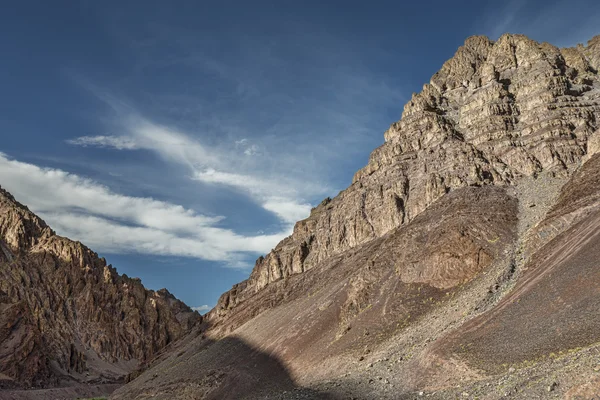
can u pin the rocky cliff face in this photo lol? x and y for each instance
(67, 315)
(462, 262)
(495, 113)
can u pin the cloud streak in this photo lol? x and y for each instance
(84, 210)
(240, 121)
(214, 166)
(119, 143)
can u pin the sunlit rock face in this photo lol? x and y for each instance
(494, 113)
(461, 262)
(67, 315)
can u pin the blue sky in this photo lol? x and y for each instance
(181, 140)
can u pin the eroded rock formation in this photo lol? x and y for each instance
(494, 113)
(67, 315)
(462, 262)
(466, 250)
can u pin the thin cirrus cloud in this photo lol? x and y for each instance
(121, 143)
(286, 209)
(85, 210)
(276, 194)
(517, 16)
(276, 139)
(250, 119)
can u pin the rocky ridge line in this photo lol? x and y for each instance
(66, 315)
(496, 112)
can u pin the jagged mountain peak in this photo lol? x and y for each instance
(20, 229)
(464, 251)
(67, 315)
(496, 113)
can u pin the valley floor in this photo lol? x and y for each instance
(65, 393)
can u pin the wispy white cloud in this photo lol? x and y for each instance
(250, 183)
(242, 122)
(287, 210)
(84, 210)
(561, 23)
(202, 309)
(120, 143)
(252, 150)
(276, 193)
(271, 196)
(248, 148)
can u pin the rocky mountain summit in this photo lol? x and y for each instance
(66, 316)
(496, 112)
(461, 262)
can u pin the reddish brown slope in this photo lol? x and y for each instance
(315, 322)
(362, 299)
(554, 306)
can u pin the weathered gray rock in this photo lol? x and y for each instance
(495, 112)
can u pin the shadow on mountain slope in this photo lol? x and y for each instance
(79, 391)
(434, 302)
(228, 368)
(324, 328)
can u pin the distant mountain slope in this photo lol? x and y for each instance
(461, 262)
(67, 316)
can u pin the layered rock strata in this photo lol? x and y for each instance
(494, 113)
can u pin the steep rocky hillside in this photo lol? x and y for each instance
(461, 262)
(494, 113)
(66, 316)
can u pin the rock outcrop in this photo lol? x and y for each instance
(65, 315)
(496, 112)
(347, 305)
(461, 262)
